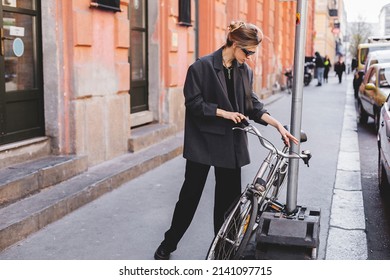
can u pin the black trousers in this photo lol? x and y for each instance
(340, 75)
(227, 189)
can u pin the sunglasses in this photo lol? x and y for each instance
(247, 53)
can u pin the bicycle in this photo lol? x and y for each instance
(243, 216)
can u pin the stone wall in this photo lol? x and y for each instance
(86, 74)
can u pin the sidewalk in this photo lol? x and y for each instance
(128, 223)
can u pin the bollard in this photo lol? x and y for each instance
(292, 237)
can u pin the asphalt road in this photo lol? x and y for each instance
(376, 206)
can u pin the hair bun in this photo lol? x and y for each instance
(234, 25)
(243, 34)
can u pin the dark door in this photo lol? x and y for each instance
(138, 56)
(21, 86)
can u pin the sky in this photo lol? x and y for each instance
(368, 9)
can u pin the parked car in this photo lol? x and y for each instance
(358, 63)
(365, 48)
(375, 57)
(384, 148)
(373, 92)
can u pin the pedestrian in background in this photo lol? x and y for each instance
(339, 68)
(357, 80)
(218, 94)
(319, 61)
(327, 66)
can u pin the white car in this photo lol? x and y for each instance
(376, 57)
(384, 148)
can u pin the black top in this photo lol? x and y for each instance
(230, 86)
(209, 139)
(319, 61)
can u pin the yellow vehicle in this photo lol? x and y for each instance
(373, 92)
(364, 49)
(359, 63)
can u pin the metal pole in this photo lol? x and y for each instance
(296, 105)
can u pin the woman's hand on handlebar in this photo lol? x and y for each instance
(287, 136)
(236, 117)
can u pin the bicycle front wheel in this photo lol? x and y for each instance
(231, 240)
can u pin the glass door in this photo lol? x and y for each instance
(138, 56)
(21, 86)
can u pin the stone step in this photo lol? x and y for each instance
(148, 135)
(22, 151)
(24, 217)
(21, 180)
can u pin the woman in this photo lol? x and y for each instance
(327, 66)
(339, 68)
(320, 68)
(218, 95)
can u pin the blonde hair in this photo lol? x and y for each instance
(244, 34)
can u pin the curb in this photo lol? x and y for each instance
(347, 238)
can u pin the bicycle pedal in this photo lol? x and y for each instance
(276, 206)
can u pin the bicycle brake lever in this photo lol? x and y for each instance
(245, 126)
(245, 122)
(306, 159)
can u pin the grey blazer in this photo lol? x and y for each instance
(209, 139)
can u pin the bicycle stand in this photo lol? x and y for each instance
(288, 237)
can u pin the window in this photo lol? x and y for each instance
(185, 12)
(113, 5)
(384, 78)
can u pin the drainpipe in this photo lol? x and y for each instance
(196, 29)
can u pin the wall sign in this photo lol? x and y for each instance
(18, 47)
(16, 31)
(9, 3)
(112, 5)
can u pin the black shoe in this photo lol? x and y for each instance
(162, 253)
(318, 85)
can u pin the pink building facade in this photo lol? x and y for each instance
(105, 74)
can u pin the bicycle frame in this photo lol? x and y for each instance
(243, 217)
(275, 161)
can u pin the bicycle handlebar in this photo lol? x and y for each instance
(305, 155)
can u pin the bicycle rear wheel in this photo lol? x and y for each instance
(231, 240)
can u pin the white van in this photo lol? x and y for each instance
(376, 57)
(379, 39)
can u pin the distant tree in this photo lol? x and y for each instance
(359, 33)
